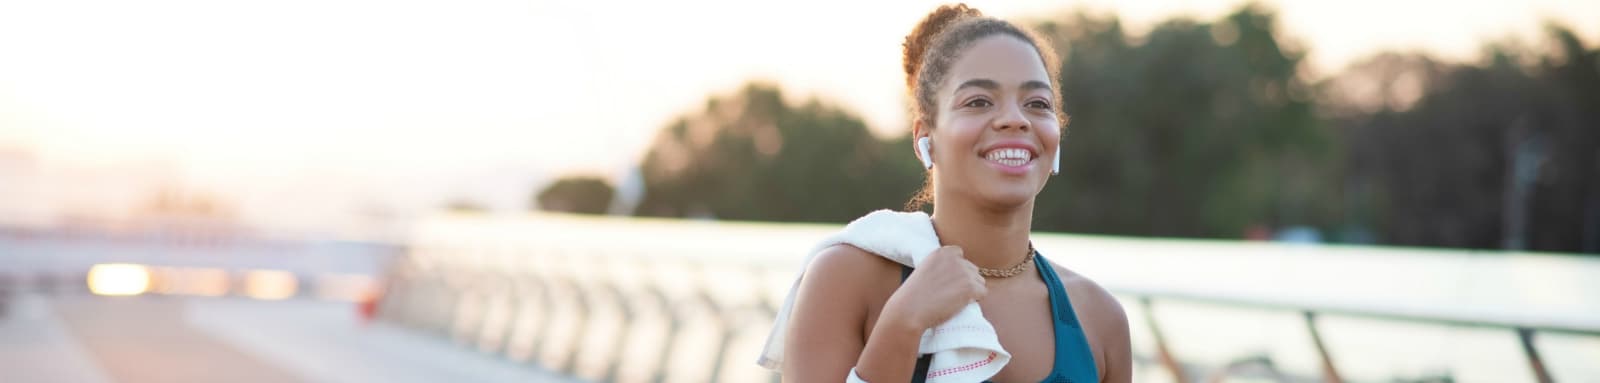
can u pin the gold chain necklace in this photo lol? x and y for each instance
(1009, 271)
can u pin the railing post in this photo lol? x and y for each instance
(733, 320)
(727, 333)
(583, 298)
(625, 306)
(543, 313)
(1534, 362)
(674, 325)
(494, 288)
(1162, 352)
(523, 298)
(1329, 373)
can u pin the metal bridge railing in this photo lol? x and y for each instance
(1524, 328)
(628, 300)
(587, 327)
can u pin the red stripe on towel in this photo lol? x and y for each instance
(965, 368)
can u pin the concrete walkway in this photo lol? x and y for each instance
(166, 339)
(36, 346)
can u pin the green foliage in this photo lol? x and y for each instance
(576, 194)
(751, 156)
(1200, 130)
(1437, 168)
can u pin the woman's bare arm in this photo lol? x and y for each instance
(825, 333)
(1119, 351)
(1110, 325)
(825, 329)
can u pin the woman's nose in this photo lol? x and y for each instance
(1012, 117)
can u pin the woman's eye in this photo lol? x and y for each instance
(979, 103)
(1039, 104)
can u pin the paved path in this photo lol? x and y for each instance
(36, 346)
(164, 339)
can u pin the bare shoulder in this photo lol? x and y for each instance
(849, 277)
(844, 263)
(828, 325)
(1089, 299)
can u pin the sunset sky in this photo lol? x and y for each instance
(300, 110)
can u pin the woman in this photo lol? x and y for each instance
(987, 123)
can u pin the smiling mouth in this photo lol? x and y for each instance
(1010, 156)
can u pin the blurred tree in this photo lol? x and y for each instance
(576, 194)
(1505, 154)
(1194, 130)
(751, 156)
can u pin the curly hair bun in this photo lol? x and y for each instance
(916, 44)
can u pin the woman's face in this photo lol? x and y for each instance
(996, 130)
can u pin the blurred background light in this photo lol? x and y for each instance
(119, 279)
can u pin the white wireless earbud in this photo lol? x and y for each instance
(1055, 165)
(922, 148)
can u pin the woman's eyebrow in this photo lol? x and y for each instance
(979, 82)
(1035, 84)
(993, 85)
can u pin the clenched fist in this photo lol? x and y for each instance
(943, 284)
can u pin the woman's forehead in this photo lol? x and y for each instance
(1005, 60)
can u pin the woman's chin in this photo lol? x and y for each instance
(1015, 196)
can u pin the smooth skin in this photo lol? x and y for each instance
(851, 309)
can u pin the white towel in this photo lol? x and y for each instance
(965, 348)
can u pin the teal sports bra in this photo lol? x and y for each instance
(1074, 361)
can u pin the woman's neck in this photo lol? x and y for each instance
(990, 238)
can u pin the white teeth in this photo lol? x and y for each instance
(1009, 156)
